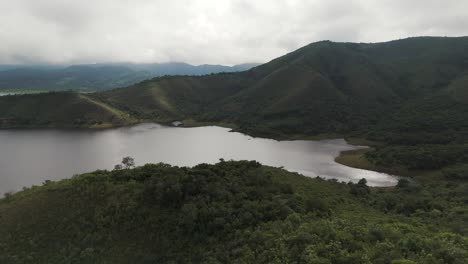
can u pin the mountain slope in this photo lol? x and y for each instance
(321, 88)
(180, 68)
(79, 77)
(230, 212)
(97, 77)
(58, 110)
(325, 87)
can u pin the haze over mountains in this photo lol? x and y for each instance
(97, 77)
(325, 87)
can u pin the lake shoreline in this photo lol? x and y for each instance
(153, 143)
(347, 158)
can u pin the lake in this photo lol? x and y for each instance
(29, 157)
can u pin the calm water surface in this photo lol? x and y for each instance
(29, 157)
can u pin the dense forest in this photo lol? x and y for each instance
(232, 212)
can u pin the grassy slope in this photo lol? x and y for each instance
(229, 212)
(173, 98)
(64, 110)
(324, 87)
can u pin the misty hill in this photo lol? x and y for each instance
(96, 77)
(180, 68)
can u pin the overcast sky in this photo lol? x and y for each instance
(208, 31)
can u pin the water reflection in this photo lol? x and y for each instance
(29, 157)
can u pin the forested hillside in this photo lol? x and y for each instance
(60, 109)
(96, 77)
(231, 212)
(325, 87)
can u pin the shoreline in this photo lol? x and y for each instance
(194, 125)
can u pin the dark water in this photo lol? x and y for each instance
(29, 157)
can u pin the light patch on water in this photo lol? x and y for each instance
(29, 157)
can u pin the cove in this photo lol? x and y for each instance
(29, 157)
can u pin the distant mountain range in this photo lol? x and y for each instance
(392, 91)
(97, 77)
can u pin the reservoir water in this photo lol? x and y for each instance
(29, 157)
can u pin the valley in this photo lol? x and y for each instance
(405, 99)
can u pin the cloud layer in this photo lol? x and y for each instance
(208, 31)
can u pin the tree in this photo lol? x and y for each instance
(403, 183)
(128, 162)
(360, 189)
(362, 181)
(8, 194)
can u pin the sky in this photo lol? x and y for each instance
(208, 31)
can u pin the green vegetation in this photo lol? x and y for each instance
(384, 91)
(367, 90)
(60, 109)
(332, 88)
(407, 99)
(419, 157)
(409, 95)
(85, 78)
(231, 212)
(357, 159)
(96, 77)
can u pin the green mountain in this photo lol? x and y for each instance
(324, 87)
(60, 109)
(404, 92)
(96, 77)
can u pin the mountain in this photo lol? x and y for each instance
(180, 68)
(324, 87)
(96, 77)
(410, 92)
(58, 109)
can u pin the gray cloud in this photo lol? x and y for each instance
(208, 31)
